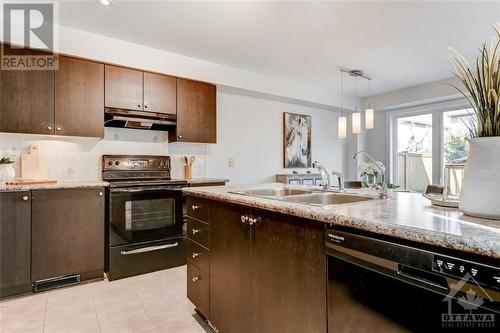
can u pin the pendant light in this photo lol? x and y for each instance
(369, 112)
(342, 120)
(356, 121)
(356, 115)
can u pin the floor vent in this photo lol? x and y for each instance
(58, 282)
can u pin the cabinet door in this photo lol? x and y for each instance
(160, 93)
(230, 270)
(79, 108)
(288, 275)
(67, 233)
(123, 88)
(196, 112)
(27, 101)
(15, 239)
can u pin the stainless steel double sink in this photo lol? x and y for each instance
(304, 196)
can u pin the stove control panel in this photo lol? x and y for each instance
(482, 274)
(135, 162)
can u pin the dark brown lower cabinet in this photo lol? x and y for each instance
(288, 275)
(67, 233)
(230, 270)
(267, 272)
(15, 241)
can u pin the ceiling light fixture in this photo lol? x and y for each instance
(356, 115)
(106, 2)
(369, 112)
(342, 120)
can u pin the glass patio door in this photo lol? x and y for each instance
(414, 144)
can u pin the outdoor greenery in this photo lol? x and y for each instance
(455, 149)
(481, 86)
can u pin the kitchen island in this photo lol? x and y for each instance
(259, 265)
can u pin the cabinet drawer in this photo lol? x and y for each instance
(198, 209)
(198, 284)
(198, 232)
(199, 256)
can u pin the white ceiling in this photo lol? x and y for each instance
(400, 43)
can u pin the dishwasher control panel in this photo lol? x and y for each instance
(482, 274)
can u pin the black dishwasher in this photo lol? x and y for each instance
(380, 286)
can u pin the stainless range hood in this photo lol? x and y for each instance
(139, 119)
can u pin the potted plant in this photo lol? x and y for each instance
(480, 84)
(369, 172)
(7, 172)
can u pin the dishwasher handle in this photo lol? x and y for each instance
(423, 278)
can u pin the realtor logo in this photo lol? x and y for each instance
(469, 313)
(28, 35)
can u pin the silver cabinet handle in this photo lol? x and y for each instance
(252, 221)
(149, 248)
(195, 278)
(49, 128)
(194, 207)
(58, 128)
(195, 231)
(101, 194)
(195, 254)
(244, 218)
(179, 136)
(25, 198)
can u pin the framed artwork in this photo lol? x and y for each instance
(296, 140)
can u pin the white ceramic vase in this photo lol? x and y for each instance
(7, 172)
(480, 195)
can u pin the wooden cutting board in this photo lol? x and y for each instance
(31, 181)
(33, 165)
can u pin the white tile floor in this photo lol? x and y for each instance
(154, 302)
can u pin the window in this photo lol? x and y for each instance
(456, 125)
(426, 139)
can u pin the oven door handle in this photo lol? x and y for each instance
(146, 189)
(149, 248)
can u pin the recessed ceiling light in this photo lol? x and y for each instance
(106, 2)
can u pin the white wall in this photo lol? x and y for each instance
(250, 130)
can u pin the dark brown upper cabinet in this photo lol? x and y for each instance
(68, 101)
(160, 93)
(196, 112)
(79, 96)
(15, 243)
(27, 101)
(123, 88)
(135, 90)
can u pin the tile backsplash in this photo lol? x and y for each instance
(79, 159)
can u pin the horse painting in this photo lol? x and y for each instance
(297, 140)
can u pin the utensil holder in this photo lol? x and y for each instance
(188, 171)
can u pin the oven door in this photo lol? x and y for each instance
(139, 214)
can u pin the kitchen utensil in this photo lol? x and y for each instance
(33, 165)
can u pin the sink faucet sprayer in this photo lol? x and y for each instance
(382, 186)
(325, 177)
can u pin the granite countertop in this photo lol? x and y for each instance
(58, 185)
(405, 215)
(206, 180)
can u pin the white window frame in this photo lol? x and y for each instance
(437, 110)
